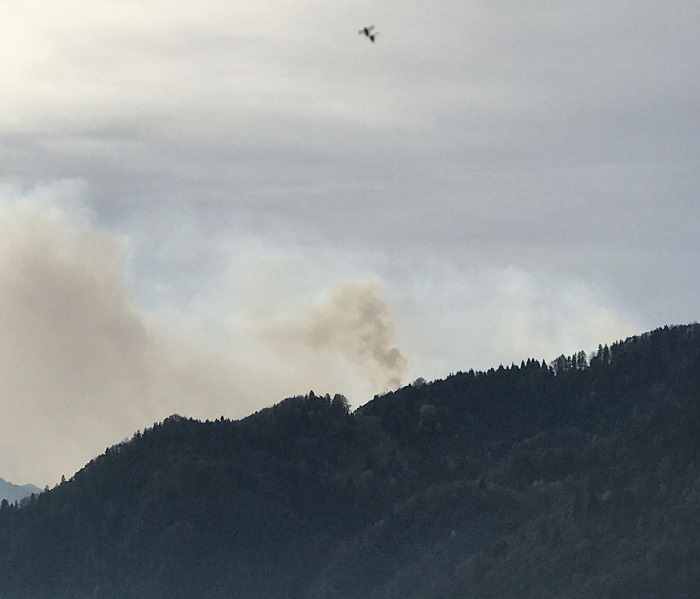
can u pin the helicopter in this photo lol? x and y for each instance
(369, 33)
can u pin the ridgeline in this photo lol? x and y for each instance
(14, 493)
(573, 480)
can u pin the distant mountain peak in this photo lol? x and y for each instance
(13, 492)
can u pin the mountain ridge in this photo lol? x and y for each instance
(13, 493)
(563, 480)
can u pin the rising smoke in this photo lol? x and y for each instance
(82, 366)
(357, 323)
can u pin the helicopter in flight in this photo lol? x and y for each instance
(369, 33)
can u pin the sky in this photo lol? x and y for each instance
(208, 206)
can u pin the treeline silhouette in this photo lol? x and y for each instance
(574, 479)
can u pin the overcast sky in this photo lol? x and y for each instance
(208, 206)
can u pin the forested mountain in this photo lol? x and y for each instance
(570, 480)
(13, 493)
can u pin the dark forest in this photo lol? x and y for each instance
(575, 479)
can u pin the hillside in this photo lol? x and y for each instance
(13, 493)
(574, 480)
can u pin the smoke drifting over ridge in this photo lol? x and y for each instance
(357, 323)
(79, 367)
(102, 334)
(82, 366)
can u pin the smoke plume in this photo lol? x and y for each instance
(357, 323)
(82, 366)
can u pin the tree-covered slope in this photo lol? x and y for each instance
(570, 480)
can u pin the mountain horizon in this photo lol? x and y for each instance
(575, 479)
(13, 492)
